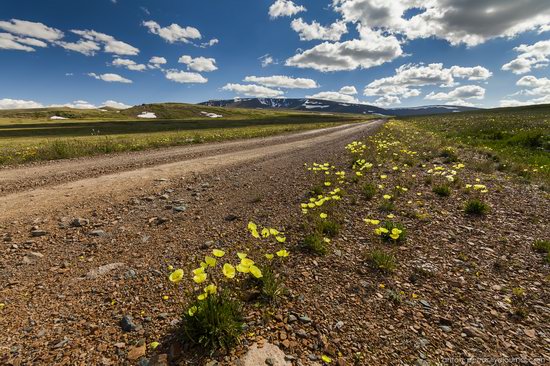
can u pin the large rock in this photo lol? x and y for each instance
(257, 356)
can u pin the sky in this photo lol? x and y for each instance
(389, 53)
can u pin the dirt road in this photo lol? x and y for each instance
(61, 184)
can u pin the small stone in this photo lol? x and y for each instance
(127, 324)
(445, 328)
(425, 303)
(181, 208)
(292, 318)
(305, 319)
(99, 233)
(339, 325)
(136, 352)
(79, 222)
(37, 233)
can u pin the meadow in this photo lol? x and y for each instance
(30, 135)
(514, 139)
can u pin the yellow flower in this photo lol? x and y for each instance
(241, 255)
(326, 359)
(252, 226)
(323, 215)
(247, 262)
(202, 296)
(394, 236)
(198, 270)
(255, 234)
(383, 176)
(280, 239)
(384, 230)
(386, 197)
(2, 305)
(390, 216)
(218, 253)
(396, 231)
(327, 184)
(154, 345)
(382, 285)
(192, 310)
(283, 253)
(210, 261)
(200, 278)
(211, 289)
(176, 276)
(228, 270)
(165, 297)
(269, 256)
(414, 296)
(242, 268)
(265, 232)
(274, 231)
(170, 268)
(203, 265)
(255, 271)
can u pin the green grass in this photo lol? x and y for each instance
(476, 207)
(519, 138)
(29, 135)
(382, 260)
(316, 244)
(442, 190)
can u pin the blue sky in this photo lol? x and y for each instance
(393, 53)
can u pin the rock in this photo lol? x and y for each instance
(127, 324)
(36, 255)
(99, 233)
(425, 303)
(130, 274)
(181, 208)
(292, 318)
(164, 197)
(159, 360)
(103, 270)
(37, 233)
(473, 332)
(530, 333)
(79, 222)
(339, 325)
(231, 217)
(445, 328)
(136, 352)
(305, 319)
(269, 354)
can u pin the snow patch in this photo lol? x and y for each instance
(211, 115)
(309, 106)
(147, 115)
(58, 117)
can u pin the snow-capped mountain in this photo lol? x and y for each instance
(318, 105)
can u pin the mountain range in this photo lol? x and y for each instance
(318, 105)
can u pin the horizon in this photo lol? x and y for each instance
(390, 54)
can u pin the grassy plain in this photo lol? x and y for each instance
(30, 135)
(514, 139)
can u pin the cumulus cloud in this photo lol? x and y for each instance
(335, 97)
(200, 64)
(77, 104)
(409, 78)
(530, 56)
(350, 90)
(469, 22)
(109, 43)
(7, 103)
(252, 90)
(212, 42)
(31, 29)
(266, 60)
(282, 81)
(156, 62)
(115, 104)
(284, 8)
(129, 64)
(85, 47)
(185, 77)
(316, 31)
(173, 33)
(460, 93)
(387, 100)
(11, 42)
(371, 49)
(110, 78)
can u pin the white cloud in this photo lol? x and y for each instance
(530, 56)
(173, 33)
(512, 103)
(31, 29)
(115, 104)
(350, 90)
(11, 42)
(77, 104)
(200, 64)
(409, 78)
(460, 93)
(539, 88)
(284, 8)
(282, 81)
(110, 44)
(371, 49)
(110, 78)
(7, 103)
(85, 47)
(469, 22)
(156, 62)
(266, 60)
(313, 31)
(185, 77)
(253, 90)
(335, 97)
(129, 64)
(387, 100)
(212, 42)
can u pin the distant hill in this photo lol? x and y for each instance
(319, 105)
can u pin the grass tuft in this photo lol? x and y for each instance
(382, 261)
(476, 207)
